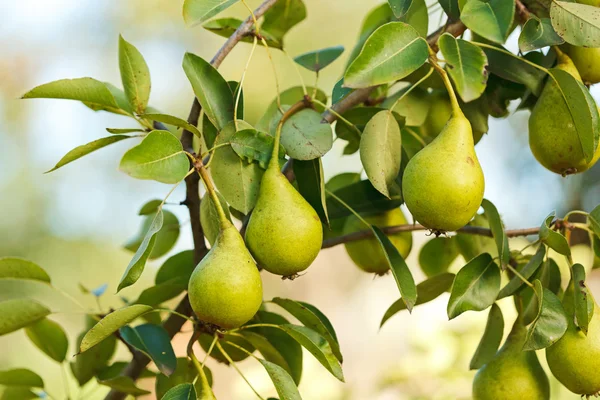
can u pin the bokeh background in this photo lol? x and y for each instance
(73, 222)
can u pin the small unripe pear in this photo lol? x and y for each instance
(225, 289)
(513, 374)
(367, 253)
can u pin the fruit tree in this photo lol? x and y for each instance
(413, 100)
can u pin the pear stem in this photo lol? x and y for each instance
(304, 89)
(240, 85)
(210, 188)
(238, 370)
(453, 100)
(521, 277)
(501, 50)
(301, 105)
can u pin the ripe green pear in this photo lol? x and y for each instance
(367, 253)
(575, 359)
(284, 233)
(553, 139)
(225, 288)
(513, 374)
(443, 184)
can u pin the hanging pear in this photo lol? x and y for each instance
(575, 359)
(443, 184)
(284, 233)
(553, 139)
(225, 288)
(367, 253)
(513, 374)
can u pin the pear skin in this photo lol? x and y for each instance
(587, 61)
(553, 138)
(284, 233)
(513, 373)
(367, 253)
(443, 184)
(225, 288)
(575, 359)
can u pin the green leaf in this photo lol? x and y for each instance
(578, 24)
(184, 373)
(119, 131)
(155, 342)
(159, 157)
(417, 17)
(318, 59)
(14, 267)
(392, 52)
(311, 320)
(553, 239)
(49, 337)
(172, 120)
(124, 384)
(252, 145)
(197, 11)
(150, 207)
(582, 108)
(88, 148)
(402, 274)
(19, 313)
(437, 255)
(311, 185)
(400, 7)
(584, 302)
(526, 272)
(18, 392)
(20, 377)
(551, 321)
(185, 391)
(211, 90)
(209, 217)
(87, 90)
(497, 228)
(427, 291)
(475, 287)
(93, 361)
(358, 117)
(156, 295)
(513, 68)
(288, 347)
(110, 324)
(268, 121)
(282, 17)
(466, 64)
(135, 75)
(136, 265)
(317, 345)
(363, 198)
(165, 238)
(594, 220)
(305, 136)
(491, 19)
(451, 8)
(264, 346)
(414, 106)
(226, 27)
(237, 180)
(538, 33)
(380, 151)
(283, 382)
(491, 339)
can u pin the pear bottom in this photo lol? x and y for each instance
(225, 289)
(367, 253)
(575, 359)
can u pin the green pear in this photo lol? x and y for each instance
(284, 233)
(553, 139)
(513, 374)
(225, 288)
(443, 184)
(575, 359)
(367, 253)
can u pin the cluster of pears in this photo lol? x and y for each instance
(553, 137)
(367, 253)
(443, 184)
